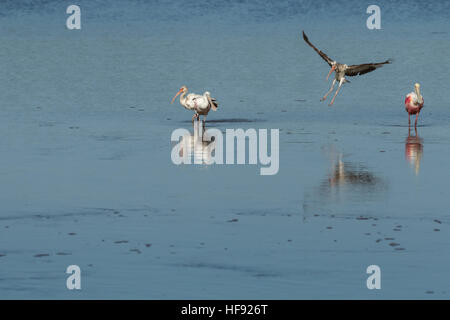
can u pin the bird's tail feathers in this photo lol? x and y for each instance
(214, 103)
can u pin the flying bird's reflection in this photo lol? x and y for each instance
(349, 180)
(414, 150)
(349, 174)
(199, 145)
(346, 189)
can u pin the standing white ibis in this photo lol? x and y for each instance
(414, 103)
(342, 70)
(200, 104)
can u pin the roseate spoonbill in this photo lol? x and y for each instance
(414, 103)
(200, 104)
(342, 70)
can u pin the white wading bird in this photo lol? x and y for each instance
(200, 104)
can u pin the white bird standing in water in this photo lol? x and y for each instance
(200, 104)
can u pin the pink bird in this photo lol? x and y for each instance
(414, 103)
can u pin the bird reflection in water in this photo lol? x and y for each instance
(350, 179)
(414, 150)
(346, 189)
(200, 145)
(347, 173)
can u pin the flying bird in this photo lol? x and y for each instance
(342, 70)
(200, 104)
(414, 103)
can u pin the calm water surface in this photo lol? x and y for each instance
(87, 178)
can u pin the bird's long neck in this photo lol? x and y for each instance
(183, 97)
(419, 97)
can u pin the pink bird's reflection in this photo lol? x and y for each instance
(414, 150)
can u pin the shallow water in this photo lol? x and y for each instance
(87, 177)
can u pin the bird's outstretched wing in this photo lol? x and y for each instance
(356, 70)
(323, 55)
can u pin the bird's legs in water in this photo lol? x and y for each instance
(195, 116)
(331, 89)
(204, 121)
(409, 120)
(409, 131)
(337, 91)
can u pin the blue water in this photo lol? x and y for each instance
(87, 179)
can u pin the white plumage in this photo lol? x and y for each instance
(200, 104)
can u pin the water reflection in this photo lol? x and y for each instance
(414, 150)
(347, 180)
(347, 188)
(199, 145)
(345, 175)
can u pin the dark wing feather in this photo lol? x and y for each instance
(323, 55)
(214, 104)
(356, 70)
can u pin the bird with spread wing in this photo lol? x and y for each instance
(342, 70)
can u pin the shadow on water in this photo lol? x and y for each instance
(414, 150)
(231, 120)
(405, 125)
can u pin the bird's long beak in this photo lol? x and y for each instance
(180, 91)
(417, 89)
(331, 71)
